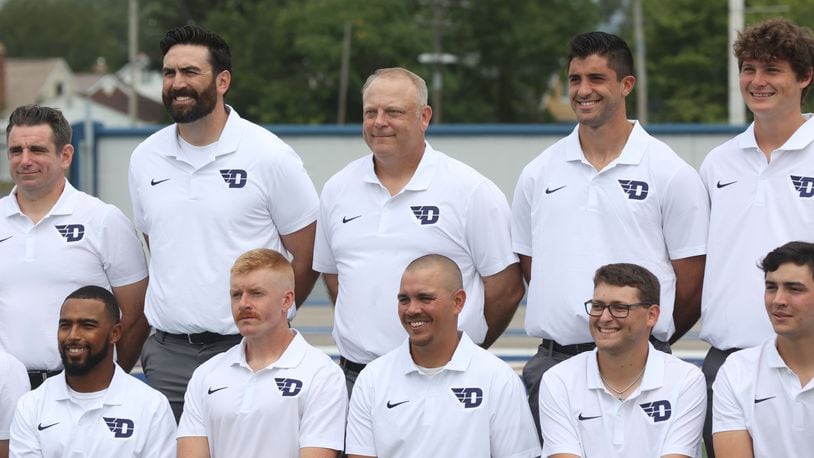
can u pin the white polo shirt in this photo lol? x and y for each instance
(130, 420)
(200, 218)
(81, 241)
(368, 237)
(13, 384)
(300, 400)
(757, 206)
(475, 407)
(646, 207)
(664, 415)
(757, 392)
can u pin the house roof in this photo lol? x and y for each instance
(25, 78)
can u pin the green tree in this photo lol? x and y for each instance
(518, 46)
(686, 42)
(287, 55)
(78, 30)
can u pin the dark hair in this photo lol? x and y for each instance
(100, 294)
(219, 55)
(798, 253)
(632, 275)
(34, 115)
(778, 39)
(604, 44)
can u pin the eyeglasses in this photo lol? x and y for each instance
(616, 309)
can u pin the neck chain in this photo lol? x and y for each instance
(620, 394)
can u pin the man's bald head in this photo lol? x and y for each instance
(449, 272)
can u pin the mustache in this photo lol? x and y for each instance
(247, 314)
(184, 92)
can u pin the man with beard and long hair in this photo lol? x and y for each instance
(205, 190)
(93, 408)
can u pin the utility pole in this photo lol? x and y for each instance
(641, 63)
(437, 47)
(342, 107)
(737, 109)
(132, 102)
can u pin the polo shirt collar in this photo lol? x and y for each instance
(653, 373)
(115, 396)
(227, 143)
(424, 173)
(64, 205)
(291, 357)
(459, 362)
(773, 356)
(631, 154)
(800, 139)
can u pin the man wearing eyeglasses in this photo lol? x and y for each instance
(624, 399)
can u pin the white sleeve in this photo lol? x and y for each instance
(359, 439)
(686, 215)
(512, 430)
(135, 202)
(323, 418)
(192, 422)
(488, 229)
(324, 260)
(121, 251)
(727, 412)
(13, 384)
(24, 442)
(292, 200)
(162, 442)
(684, 435)
(521, 215)
(559, 432)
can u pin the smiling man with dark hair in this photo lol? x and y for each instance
(607, 193)
(624, 399)
(93, 408)
(204, 190)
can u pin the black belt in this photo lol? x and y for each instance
(350, 365)
(201, 338)
(574, 349)
(35, 378)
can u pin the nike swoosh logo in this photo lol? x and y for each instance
(154, 182)
(41, 428)
(347, 220)
(723, 185)
(550, 191)
(581, 418)
(216, 389)
(391, 405)
(758, 401)
(3, 240)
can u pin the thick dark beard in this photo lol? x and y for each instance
(205, 104)
(92, 361)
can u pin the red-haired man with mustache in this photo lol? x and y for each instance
(272, 388)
